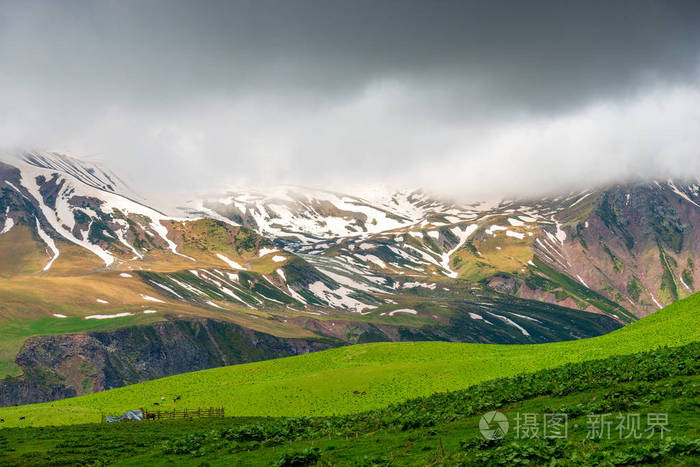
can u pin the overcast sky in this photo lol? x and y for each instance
(471, 99)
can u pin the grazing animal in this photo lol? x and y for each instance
(150, 416)
(156, 403)
(21, 418)
(177, 398)
(2, 420)
(162, 399)
(363, 392)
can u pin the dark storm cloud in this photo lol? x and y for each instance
(538, 54)
(215, 78)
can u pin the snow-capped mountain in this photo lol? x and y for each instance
(90, 173)
(631, 245)
(311, 268)
(68, 199)
(72, 212)
(622, 250)
(301, 216)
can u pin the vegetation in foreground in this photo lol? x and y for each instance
(362, 377)
(439, 429)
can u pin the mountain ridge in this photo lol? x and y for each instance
(317, 264)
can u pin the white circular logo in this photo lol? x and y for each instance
(493, 425)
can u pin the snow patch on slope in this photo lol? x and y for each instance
(29, 181)
(339, 297)
(479, 317)
(116, 315)
(463, 236)
(513, 234)
(230, 262)
(267, 251)
(51, 244)
(151, 299)
(511, 322)
(9, 222)
(403, 310)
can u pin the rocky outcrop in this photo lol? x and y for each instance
(56, 367)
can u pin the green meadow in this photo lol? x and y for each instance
(442, 429)
(362, 377)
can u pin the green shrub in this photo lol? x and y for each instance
(300, 458)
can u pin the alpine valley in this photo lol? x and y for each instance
(98, 290)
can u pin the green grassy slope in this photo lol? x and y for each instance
(441, 429)
(328, 382)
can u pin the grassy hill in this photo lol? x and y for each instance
(441, 429)
(362, 377)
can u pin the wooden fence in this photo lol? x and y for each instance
(184, 413)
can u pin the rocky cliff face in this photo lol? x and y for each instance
(57, 367)
(633, 245)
